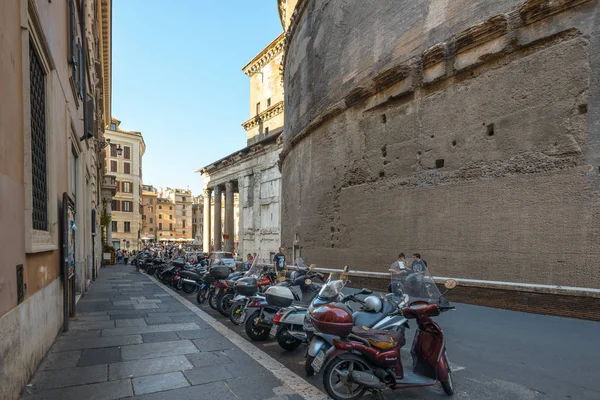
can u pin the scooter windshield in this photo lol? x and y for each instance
(415, 281)
(255, 270)
(334, 285)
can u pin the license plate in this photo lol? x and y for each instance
(217, 290)
(273, 331)
(317, 363)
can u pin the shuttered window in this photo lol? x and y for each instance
(113, 166)
(127, 168)
(113, 150)
(127, 152)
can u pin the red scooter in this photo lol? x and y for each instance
(364, 359)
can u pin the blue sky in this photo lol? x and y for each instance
(177, 79)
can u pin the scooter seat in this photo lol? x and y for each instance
(191, 275)
(380, 339)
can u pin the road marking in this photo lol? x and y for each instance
(289, 378)
(456, 368)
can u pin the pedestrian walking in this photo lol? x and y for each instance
(279, 264)
(119, 256)
(126, 256)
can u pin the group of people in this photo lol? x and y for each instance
(124, 255)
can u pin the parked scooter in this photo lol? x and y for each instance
(298, 287)
(369, 359)
(377, 312)
(224, 278)
(291, 326)
(256, 280)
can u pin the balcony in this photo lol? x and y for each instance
(109, 185)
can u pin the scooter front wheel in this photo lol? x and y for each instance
(336, 377)
(310, 371)
(254, 331)
(448, 385)
(237, 314)
(212, 300)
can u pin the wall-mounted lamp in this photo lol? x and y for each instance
(119, 150)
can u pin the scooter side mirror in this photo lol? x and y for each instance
(450, 284)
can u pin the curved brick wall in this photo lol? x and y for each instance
(468, 131)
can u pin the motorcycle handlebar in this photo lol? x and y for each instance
(448, 308)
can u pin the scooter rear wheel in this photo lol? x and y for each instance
(286, 341)
(188, 287)
(310, 371)
(337, 384)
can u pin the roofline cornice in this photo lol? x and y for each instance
(267, 54)
(266, 115)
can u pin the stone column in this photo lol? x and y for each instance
(108, 209)
(206, 213)
(241, 203)
(218, 232)
(229, 243)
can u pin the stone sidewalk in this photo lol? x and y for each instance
(132, 339)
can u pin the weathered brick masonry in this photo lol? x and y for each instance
(467, 131)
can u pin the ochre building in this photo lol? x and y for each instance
(467, 131)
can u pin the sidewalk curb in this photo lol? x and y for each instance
(286, 376)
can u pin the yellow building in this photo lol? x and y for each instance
(55, 79)
(165, 219)
(124, 160)
(266, 92)
(183, 214)
(149, 199)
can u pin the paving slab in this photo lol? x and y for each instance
(250, 388)
(64, 360)
(93, 343)
(80, 334)
(125, 323)
(163, 319)
(131, 369)
(99, 391)
(206, 359)
(213, 344)
(105, 355)
(75, 325)
(199, 376)
(159, 383)
(159, 337)
(53, 379)
(132, 330)
(214, 390)
(198, 334)
(145, 306)
(157, 350)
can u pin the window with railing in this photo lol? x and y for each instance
(39, 185)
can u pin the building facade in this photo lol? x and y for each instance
(198, 220)
(466, 131)
(251, 174)
(124, 161)
(165, 218)
(55, 74)
(149, 198)
(183, 214)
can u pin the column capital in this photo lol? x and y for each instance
(207, 191)
(228, 186)
(217, 190)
